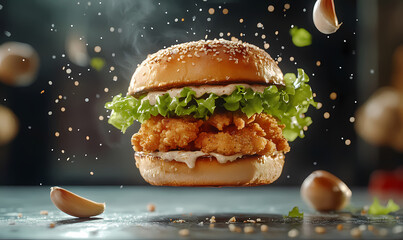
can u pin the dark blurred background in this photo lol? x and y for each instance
(88, 50)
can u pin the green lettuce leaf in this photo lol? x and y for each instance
(288, 104)
(295, 213)
(377, 209)
(300, 37)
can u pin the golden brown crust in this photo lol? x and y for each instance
(248, 171)
(226, 133)
(212, 62)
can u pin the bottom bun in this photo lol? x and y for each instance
(247, 171)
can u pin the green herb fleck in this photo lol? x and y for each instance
(97, 63)
(377, 209)
(300, 37)
(295, 213)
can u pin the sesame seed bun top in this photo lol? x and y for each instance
(211, 62)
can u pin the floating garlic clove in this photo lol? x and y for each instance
(324, 16)
(75, 205)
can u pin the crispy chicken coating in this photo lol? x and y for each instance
(164, 134)
(225, 133)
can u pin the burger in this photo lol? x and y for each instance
(212, 113)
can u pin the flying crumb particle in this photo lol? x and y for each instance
(276, 32)
(112, 68)
(63, 109)
(279, 59)
(42, 91)
(326, 115)
(293, 233)
(320, 105)
(320, 230)
(318, 63)
(150, 207)
(240, 20)
(52, 225)
(184, 232)
(43, 212)
(68, 70)
(266, 46)
(57, 134)
(292, 59)
(62, 151)
(248, 229)
(233, 219)
(211, 11)
(70, 129)
(270, 8)
(259, 25)
(352, 119)
(340, 227)
(97, 49)
(182, 19)
(212, 219)
(263, 36)
(333, 96)
(225, 11)
(264, 228)
(179, 221)
(287, 6)
(106, 90)
(101, 118)
(115, 78)
(347, 142)
(356, 233)
(228, 34)
(91, 173)
(60, 96)
(87, 138)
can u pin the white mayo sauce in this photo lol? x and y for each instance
(190, 157)
(201, 90)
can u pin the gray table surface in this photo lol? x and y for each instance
(126, 214)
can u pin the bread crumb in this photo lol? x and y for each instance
(233, 219)
(356, 232)
(293, 233)
(184, 232)
(151, 207)
(179, 221)
(234, 228)
(43, 212)
(258, 220)
(264, 228)
(340, 226)
(249, 221)
(320, 230)
(249, 229)
(52, 225)
(212, 219)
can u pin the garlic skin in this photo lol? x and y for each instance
(324, 17)
(75, 205)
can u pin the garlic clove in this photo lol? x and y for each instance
(324, 16)
(75, 205)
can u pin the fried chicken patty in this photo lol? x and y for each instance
(224, 133)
